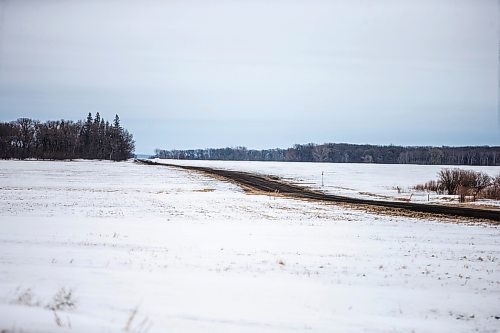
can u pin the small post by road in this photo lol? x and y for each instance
(322, 183)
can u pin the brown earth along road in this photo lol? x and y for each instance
(276, 186)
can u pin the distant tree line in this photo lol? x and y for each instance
(347, 153)
(93, 138)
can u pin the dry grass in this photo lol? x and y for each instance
(205, 190)
(136, 325)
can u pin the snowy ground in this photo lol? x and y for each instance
(192, 254)
(371, 181)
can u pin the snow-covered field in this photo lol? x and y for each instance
(372, 181)
(89, 246)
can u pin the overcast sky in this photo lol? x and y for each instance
(261, 74)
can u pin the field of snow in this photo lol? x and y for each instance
(370, 181)
(96, 246)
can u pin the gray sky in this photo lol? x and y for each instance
(262, 74)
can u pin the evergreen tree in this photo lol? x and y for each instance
(116, 122)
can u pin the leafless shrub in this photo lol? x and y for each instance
(62, 300)
(481, 182)
(449, 179)
(26, 297)
(399, 189)
(465, 183)
(430, 186)
(493, 191)
(495, 181)
(473, 181)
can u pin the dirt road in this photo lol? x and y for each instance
(277, 186)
